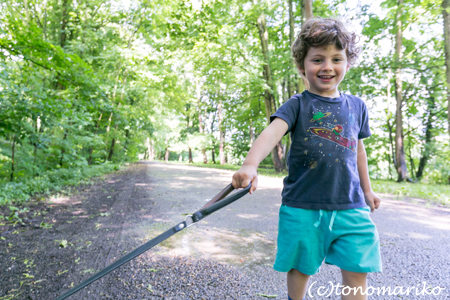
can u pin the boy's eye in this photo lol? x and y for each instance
(338, 59)
(317, 60)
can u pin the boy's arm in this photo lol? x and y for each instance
(371, 198)
(260, 149)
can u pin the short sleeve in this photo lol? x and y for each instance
(364, 131)
(289, 112)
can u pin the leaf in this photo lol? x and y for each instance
(266, 296)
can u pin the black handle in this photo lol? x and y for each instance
(205, 211)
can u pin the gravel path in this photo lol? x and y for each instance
(415, 240)
(228, 255)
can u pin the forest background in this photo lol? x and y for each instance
(88, 85)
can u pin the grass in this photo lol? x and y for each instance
(437, 193)
(432, 192)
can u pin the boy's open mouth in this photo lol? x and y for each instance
(326, 76)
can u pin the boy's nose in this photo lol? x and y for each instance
(326, 66)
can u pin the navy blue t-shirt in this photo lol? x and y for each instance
(323, 170)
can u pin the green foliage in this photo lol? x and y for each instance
(84, 83)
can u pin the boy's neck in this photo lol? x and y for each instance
(333, 94)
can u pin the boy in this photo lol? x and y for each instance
(327, 196)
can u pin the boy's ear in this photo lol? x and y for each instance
(348, 67)
(302, 71)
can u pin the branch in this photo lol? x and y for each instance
(39, 64)
(413, 129)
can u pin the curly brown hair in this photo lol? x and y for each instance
(318, 32)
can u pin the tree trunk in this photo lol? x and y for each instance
(13, 150)
(113, 142)
(63, 149)
(151, 153)
(62, 33)
(280, 151)
(390, 125)
(292, 74)
(35, 144)
(411, 159)
(269, 98)
(291, 24)
(190, 156)
(446, 16)
(111, 149)
(200, 120)
(252, 133)
(95, 133)
(166, 155)
(307, 11)
(222, 134)
(62, 43)
(391, 146)
(213, 151)
(399, 143)
(428, 138)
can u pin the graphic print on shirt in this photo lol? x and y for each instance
(332, 132)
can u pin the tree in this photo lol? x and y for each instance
(269, 98)
(399, 143)
(446, 17)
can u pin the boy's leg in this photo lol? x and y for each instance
(297, 283)
(357, 282)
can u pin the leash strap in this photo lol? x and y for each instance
(215, 204)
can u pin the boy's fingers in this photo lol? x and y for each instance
(372, 206)
(244, 183)
(254, 184)
(234, 183)
(377, 203)
(239, 182)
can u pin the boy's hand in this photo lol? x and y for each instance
(372, 200)
(244, 176)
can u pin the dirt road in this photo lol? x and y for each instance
(226, 256)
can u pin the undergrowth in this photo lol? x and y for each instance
(19, 191)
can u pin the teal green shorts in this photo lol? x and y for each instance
(345, 238)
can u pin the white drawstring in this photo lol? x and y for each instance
(333, 216)
(320, 218)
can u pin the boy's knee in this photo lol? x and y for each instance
(349, 276)
(297, 274)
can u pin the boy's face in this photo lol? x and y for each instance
(325, 67)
